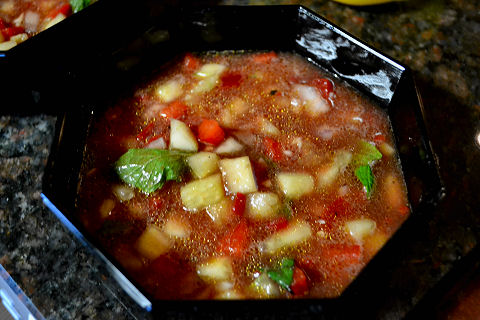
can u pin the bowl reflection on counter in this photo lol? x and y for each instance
(166, 32)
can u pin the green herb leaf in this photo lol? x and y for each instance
(78, 5)
(366, 177)
(149, 169)
(366, 154)
(284, 275)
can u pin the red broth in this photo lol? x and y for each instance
(278, 180)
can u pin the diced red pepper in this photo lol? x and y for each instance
(239, 204)
(342, 253)
(210, 131)
(190, 62)
(299, 284)
(273, 149)
(325, 86)
(174, 110)
(277, 224)
(236, 241)
(231, 80)
(146, 132)
(11, 31)
(264, 57)
(65, 9)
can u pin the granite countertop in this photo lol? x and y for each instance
(438, 39)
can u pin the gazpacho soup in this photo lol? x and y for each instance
(242, 176)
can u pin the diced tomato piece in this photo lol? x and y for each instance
(11, 31)
(379, 139)
(174, 110)
(277, 224)
(231, 80)
(325, 86)
(266, 57)
(299, 284)
(3, 25)
(146, 132)
(273, 149)
(210, 131)
(236, 241)
(239, 204)
(190, 62)
(342, 253)
(65, 9)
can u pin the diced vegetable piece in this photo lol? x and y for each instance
(393, 192)
(238, 175)
(313, 102)
(204, 85)
(153, 242)
(123, 192)
(210, 70)
(239, 203)
(235, 242)
(181, 137)
(293, 235)
(299, 284)
(216, 269)
(231, 80)
(360, 228)
(203, 164)
(199, 194)
(265, 287)
(221, 211)
(386, 149)
(210, 131)
(273, 149)
(174, 110)
(263, 205)
(229, 146)
(340, 162)
(170, 90)
(7, 45)
(295, 185)
(266, 127)
(58, 18)
(158, 143)
(325, 86)
(176, 228)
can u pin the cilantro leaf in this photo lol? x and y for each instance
(78, 5)
(284, 275)
(366, 154)
(149, 169)
(365, 175)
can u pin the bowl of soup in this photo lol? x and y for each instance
(219, 155)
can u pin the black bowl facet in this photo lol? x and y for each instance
(164, 33)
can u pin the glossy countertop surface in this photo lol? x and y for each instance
(439, 40)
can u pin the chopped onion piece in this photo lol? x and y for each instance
(360, 228)
(123, 192)
(157, 144)
(229, 146)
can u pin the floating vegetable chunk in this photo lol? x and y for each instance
(242, 176)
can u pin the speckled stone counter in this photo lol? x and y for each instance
(439, 40)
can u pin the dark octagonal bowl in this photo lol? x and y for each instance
(159, 33)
